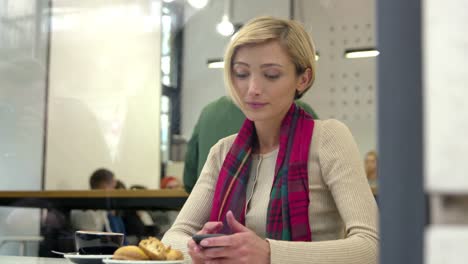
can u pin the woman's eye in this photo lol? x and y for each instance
(272, 76)
(241, 75)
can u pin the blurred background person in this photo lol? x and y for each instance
(102, 179)
(370, 163)
(120, 185)
(164, 219)
(99, 220)
(170, 182)
(138, 223)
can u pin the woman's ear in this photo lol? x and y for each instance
(304, 80)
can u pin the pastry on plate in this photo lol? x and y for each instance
(174, 254)
(148, 249)
(130, 253)
(154, 248)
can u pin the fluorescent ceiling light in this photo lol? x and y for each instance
(361, 53)
(215, 64)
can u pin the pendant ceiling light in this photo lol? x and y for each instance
(225, 27)
(198, 4)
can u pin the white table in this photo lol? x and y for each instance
(32, 260)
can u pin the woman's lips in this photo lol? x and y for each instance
(255, 105)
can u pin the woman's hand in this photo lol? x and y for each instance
(194, 250)
(243, 246)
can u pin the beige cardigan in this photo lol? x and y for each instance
(343, 213)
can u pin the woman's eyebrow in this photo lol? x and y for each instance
(265, 65)
(270, 65)
(241, 63)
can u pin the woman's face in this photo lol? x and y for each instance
(265, 80)
(371, 163)
(174, 184)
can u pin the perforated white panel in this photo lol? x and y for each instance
(345, 89)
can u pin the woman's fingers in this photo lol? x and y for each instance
(221, 241)
(235, 225)
(211, 227)
(195, 252)
(222, 261)
(217, 252)
(191, 243)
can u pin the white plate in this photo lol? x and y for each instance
(116, 261)
(86, 259)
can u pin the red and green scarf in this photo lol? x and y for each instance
(288, 209)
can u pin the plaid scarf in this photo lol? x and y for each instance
(288, 209)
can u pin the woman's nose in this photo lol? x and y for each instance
(254, 86)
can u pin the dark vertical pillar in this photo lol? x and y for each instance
(400, 132)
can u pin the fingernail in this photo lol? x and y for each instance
(204, 243)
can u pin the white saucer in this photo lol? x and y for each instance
(86, 259)
(116, 261)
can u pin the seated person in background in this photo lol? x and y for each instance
(145, 217)
(217, 120)
(99, 220)
(170, 182)
(164, 219)
(102, 179)
(119, 185)
(138, 223)
(370, 163)
(286, 188)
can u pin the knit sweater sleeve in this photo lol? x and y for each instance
(196, 210)
(343, 173)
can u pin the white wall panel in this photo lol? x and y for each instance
(104, 94)
(446, 110)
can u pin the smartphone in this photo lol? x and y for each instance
(200, 237)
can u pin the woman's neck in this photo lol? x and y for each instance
(268, 134)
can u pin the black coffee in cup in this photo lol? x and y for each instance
(97, 243)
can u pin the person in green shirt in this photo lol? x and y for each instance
(217, 120)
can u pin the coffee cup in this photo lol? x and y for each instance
(97, 243)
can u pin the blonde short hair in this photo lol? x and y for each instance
(371, 153)
(290, 34)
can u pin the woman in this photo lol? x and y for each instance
(286, 188)
(370, 164)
